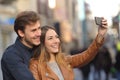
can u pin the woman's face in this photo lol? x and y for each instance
(52, 41)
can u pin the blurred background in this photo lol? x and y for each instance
(74, 22)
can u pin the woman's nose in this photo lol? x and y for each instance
(56, 40)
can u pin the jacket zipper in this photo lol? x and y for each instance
(49, 76)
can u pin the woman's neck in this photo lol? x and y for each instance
(52, 58)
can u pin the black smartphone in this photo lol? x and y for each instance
(98, 20)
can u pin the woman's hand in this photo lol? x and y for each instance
(102, 30)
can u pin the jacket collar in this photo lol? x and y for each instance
(19, 43)
(68, 75)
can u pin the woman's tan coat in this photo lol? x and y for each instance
(43, 72)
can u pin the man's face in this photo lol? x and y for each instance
(31, 35)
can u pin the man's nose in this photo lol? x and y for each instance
(38, 32)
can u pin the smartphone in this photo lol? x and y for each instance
(98, 20)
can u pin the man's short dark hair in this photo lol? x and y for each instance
(25, 18)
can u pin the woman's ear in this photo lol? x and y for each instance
(21, 33)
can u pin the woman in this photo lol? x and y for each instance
(49, 63)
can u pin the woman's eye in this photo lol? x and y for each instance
(49, 38)
(57, 36)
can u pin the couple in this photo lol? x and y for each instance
(36, 53)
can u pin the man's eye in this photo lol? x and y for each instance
(33, 30)
(39, 27)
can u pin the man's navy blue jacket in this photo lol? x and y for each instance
(15, 62)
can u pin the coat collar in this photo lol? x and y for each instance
(68, 75)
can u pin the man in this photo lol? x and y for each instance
(15, 59)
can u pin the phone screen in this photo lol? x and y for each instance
(98, 20)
